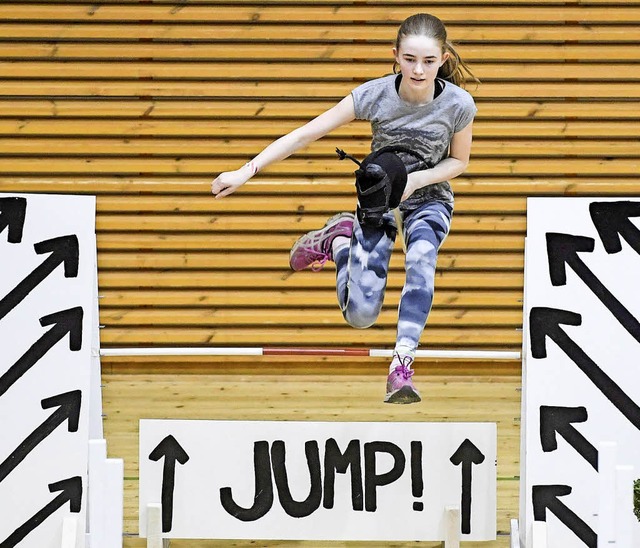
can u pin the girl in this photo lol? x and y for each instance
(422, 108)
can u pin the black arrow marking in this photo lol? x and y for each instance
(71, 492)
(66, 321)
(68, 405)
(611, 220)
(560, 419)
(172, 451)
(64, 250)
(545, 322)
(12, 214)
(545, 497)
(562, 250)
(467, 455)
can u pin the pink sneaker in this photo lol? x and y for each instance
(400, 388)
(314, 248)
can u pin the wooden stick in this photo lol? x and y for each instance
(452, 527)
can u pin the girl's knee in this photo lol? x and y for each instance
(360, 317)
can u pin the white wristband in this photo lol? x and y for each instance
(252, 166)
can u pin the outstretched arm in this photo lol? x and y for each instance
(342, 113)
(452, 166)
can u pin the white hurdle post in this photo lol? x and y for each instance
(114, 501)
(607, 461)
(106, 488)
(69, 532)
(96, 519)
(514, 538)
(452, 527)
(539, 534)
(625, 517)
(154, 527)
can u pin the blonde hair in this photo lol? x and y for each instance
(454, 69)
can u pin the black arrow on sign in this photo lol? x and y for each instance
(12, 214)
(467, 455)
(172, 451)
(559, 420)
(545, 322)
(562, 250)
(68, 405)
(66, 321)
(71, 491)
(611, 220)
(545, 497)
(64, 251)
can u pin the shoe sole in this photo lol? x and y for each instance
(326, 225)
(403, 395)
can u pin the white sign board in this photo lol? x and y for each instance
(581, 377)
(318, 480)
(48, 258)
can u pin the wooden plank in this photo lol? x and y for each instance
(208, 297)
(262, 225)
(231, 242)
(358, 132)
(239, 13)
(107, 185)
(289, 317)
(205, 147)
(320, 89)
(433, 3)
(116, 111)
(289, 71)
(257, 260)
(307, 51)
(496, 337)
(242, 203)
(301, 167)
(506, 32)
(285, 278)
(294, 366)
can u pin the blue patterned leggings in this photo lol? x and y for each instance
(361, 270)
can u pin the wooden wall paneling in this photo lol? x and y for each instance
(142, 103)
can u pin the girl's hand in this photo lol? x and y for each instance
(228, 182)
(410, 188)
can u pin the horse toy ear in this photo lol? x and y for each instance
(372, 173)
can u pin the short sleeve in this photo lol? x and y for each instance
(361, 104)
(466, 112)
(367, 97)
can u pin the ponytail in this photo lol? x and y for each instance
(454, 69)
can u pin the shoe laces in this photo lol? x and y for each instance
(404, 366)
(316, 244)
(317, 265)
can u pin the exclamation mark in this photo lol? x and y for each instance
(417, 485)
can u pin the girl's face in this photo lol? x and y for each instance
(419, 58)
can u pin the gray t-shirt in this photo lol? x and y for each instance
(427, 129)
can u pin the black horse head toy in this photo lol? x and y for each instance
(380, 181)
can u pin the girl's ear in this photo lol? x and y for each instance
(395, 53)
(445, 57)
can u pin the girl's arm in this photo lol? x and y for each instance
(449, 168)
(342, 113)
